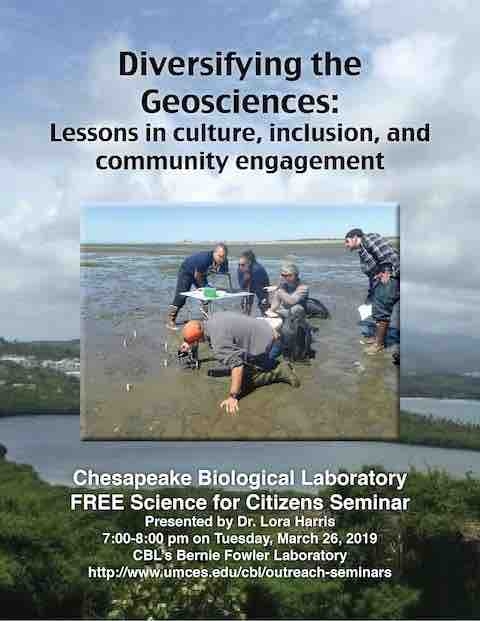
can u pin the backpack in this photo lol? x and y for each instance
(315, 308)
(297, 338)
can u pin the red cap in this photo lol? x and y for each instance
(192, 332)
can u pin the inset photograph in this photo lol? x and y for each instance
(240, 322)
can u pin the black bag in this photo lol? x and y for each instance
(297, 338)
(315, 308)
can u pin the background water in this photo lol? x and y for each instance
(125, 295)
(51, 444)
(459, 410)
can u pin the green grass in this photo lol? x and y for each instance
(46, 549)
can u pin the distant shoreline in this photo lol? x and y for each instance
(294, 242)
(415, 430)
(4, 415)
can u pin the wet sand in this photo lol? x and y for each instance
(343, 394)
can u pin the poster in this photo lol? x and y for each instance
(145, 149)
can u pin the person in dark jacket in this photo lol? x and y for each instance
(380, 262)
(194, 272)
(252, 277)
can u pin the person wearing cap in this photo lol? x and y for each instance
(380, 261)
(252, 277)
(289, 296)
(193, 272)
(246, 346)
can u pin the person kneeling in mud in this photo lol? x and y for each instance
(245, 345)
(288, 298)
(253, 277)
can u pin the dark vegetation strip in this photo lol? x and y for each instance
(440, 386)
(438, 432)
(45, 551)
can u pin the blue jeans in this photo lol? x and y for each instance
(269, 359)
(369, 328)
(274, 353)
(184, 283)
(384, 298)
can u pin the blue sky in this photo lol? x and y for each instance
(60, 63)
(130, 224)
(63, 31)
(53, 48)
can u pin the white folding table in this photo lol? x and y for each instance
(222, 296)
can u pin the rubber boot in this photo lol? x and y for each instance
(172, 316)
(368, 340)
(379, 345)
(283, 372)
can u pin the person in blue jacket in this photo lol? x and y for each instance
(253, 277)
(193, 272)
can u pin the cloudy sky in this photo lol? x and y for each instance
(60, 64)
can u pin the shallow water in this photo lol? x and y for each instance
(125, 294)
(458, 410)
(52, 445)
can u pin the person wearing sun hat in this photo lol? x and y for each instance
(288, 297)
(244, 345)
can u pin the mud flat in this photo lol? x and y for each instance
(344, 394)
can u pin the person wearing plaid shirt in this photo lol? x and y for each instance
(380, 261)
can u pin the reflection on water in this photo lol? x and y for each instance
(344, 394)
(51, 444)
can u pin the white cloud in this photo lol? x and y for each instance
(422, 68)
(354, 7)
(418, 64)
(452, 314)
